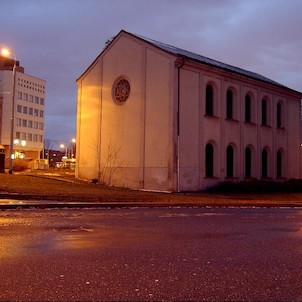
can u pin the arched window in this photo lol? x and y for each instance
(264, 163)
(248, 108)
(229, 104)
(209, 163)
(279, 164)
(248, 162)
(209, 100)
(230, 161)
(279, 115)
(264, 112)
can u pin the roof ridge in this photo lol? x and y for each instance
(209, 61)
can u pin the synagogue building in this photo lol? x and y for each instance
(155, 117)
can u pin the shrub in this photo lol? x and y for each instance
(19, 165)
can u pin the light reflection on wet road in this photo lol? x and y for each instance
(151, 254)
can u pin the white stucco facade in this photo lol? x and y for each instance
(172, 134)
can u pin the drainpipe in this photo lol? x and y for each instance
(179, 66)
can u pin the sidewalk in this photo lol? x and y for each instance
(60, 189)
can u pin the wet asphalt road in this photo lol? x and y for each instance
(151, 254)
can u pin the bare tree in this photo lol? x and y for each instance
(110, 164)
(47, 146)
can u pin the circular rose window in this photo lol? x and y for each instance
(121, 91)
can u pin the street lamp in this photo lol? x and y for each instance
(7, 52)
(73, 141)
(63, 146)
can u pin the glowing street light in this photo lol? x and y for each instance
(62, 146)
(73, 147)
(7, 52)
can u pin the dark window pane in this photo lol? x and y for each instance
(247, 108)
(264, 164)
(209, 160)
(264, 112)
(279, 164)
(209, 99)
(248, 163)
(229, 105)
(279, 124)
(230, 161)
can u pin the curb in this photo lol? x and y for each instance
(81, 205)
(13, 205)
(92, 205)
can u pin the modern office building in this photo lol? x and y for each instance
(28, 134)
(156, 117)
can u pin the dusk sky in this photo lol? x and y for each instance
(56, 40)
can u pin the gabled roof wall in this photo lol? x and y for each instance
(200, 59)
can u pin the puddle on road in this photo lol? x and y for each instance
(78, 237)
(54, 239)
(73, 229)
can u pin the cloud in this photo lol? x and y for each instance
(57, 40)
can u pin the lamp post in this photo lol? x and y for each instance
(62, 146)
(73, 141)
(6, 53)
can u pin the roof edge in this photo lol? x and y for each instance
(229, 68)
(190, 56)
(105, 48)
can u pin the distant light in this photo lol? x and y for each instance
(73, 140)
(17, 142)
(5, 52)
(62, 146)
